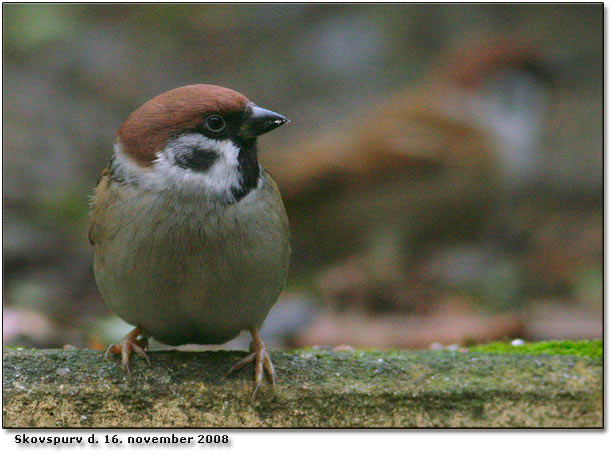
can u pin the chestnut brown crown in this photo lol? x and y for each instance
(146, 130)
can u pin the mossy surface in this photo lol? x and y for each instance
(315, 389)
(584, 348)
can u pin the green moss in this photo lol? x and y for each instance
(584, 348)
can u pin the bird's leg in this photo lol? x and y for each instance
(262, 362)
(129, 343)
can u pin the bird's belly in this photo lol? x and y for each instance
(191, 292)
(190, 304)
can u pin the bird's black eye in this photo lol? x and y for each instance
(215, 123)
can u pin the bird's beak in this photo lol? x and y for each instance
(261, 121)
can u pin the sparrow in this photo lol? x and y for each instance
(190, 234)
(437, 162)
(438, 155)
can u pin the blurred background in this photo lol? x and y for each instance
(443, 171)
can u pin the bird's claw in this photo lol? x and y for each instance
(262, 362)
(130, 343)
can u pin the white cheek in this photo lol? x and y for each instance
(224, 174)
(219, 180)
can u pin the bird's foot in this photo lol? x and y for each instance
(262, 362)
(130, 343)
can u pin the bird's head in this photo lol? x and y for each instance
(195, 139)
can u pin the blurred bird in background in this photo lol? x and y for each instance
(421, 163)
(417, 188)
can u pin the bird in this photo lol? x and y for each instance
(190, 235)
(373, 197)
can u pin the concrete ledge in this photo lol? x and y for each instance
(55, 388)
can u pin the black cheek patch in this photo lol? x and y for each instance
(196, 159)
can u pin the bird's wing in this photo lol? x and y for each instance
(100, 194)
